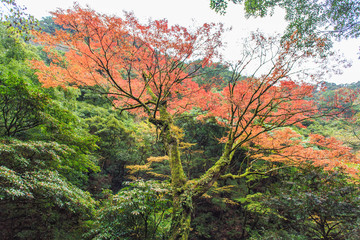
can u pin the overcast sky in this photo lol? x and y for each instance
(186, 12)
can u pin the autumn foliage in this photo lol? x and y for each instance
(143, 67)
(287, 146)
(148, 69)
(140, 66)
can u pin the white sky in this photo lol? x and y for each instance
(185, 12)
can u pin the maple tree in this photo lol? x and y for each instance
(147, 69)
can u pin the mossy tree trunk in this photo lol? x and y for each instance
(182, 199)
(182, 204)
(184, 191)
(206, 181)
(181, 219)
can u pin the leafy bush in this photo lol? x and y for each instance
(139, 211)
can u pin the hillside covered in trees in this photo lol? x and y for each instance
(115, 129)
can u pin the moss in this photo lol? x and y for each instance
(170, 135)
(182, 196)
(214, 173)
(182, 209)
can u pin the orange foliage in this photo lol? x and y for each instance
(148, 66)
(340, 100)
(251, 106)
(287, 146)
(140, 66)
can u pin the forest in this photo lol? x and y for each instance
(111, 128)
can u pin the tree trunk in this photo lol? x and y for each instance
(181, 219)
(182, 198)
(183, 191)
(206, 181)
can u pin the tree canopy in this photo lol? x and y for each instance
(147, 69)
